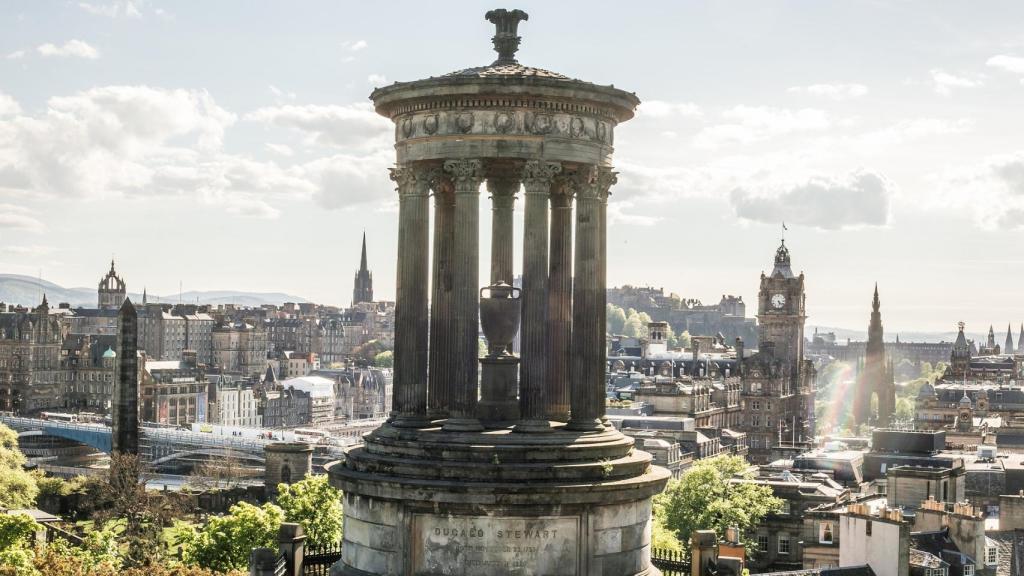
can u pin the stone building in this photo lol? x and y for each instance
(286, 408)
(239, 347)
(362, 290)
(161, 332)
(173, 392)
(111, 291)
(727, 317)
(88, 365)
(31, 378)
(778, 383)
(233, 402)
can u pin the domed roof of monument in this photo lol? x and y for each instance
(109, 353)
(505, 76)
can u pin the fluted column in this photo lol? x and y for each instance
(442, 323)
(503, 197)
(538, 177)
(466, 174)
(559, 303)
(410, 378)
(587, 394)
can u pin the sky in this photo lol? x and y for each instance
(232, 145)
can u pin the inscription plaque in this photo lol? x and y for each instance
(484, 546)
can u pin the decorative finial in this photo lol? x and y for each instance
(506, 37)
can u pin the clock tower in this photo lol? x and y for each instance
(780, 312)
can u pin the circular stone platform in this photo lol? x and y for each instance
(431, 502)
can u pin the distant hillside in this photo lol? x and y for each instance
(27, 291)
(842, 334)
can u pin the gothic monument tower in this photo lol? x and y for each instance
(781, 314)
(363, 289)
(548, 488)
(876, 375)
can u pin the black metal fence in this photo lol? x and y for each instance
(670, 562)
(318, 561)
(281, 567)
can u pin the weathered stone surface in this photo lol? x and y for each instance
(478, 546)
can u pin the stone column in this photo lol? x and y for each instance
(538, 177)
(442, 329)
(467, 174)
(588, 301)
(503, 197)
(409, 406)
(560, 303)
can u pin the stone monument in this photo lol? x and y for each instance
(461, 485)
(286, 463)
(125, 404)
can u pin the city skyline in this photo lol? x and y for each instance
(172, 137)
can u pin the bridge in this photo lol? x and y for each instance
(160, 445)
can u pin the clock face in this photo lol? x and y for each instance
(778, 300)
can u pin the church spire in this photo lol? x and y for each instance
(362, 259)
(1008, 346)
(1020, 340)
(875, 304)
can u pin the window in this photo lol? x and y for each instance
(755, 420)
(867, 528)
(762, 542)
(991, 555)
(786, 507)
(825, 536)
(783, 543)
(755, 405)
(968, 570)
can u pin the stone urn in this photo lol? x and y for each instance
(499, 316)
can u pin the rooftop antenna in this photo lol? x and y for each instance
(179, 292)
(784, 232)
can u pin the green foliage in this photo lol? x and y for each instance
(17, 486)
(706, 498)
(16, 532)
(683, 340)
(636, 324)
(904, 409)
(385, 359)
(615, 319)
(225, 542)
(661, 537)
(316, 505)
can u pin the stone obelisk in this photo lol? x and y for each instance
(125, 417)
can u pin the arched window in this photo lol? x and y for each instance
(286, 474)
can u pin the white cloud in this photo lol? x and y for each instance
(662, 109)
(832, 91)
(355, 125)
(377, 79)
(29, 250)
(860, 199)
(281, 94)
(282, 149)
(908, 130)
(70, 49)
(617, 214)
(116, 9)
(14, 217)
(992, 191)
(1013, 64)
(943, 82)
(8, 105)
(355, 46)
(750, 124)
(346, 180)
(16, 55)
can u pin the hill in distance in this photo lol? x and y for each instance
(28, 291)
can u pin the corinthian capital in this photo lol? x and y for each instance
(412, 180)
(539, 175)
(606, 178)
(466, 173)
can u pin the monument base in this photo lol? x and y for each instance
(497, 503)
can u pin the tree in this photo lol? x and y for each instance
(17, 486)
(16, 555)
(904, 409)
(714, 494)
(123, 499)
(224, 542)
(683, 340)
(385, 359)
(925, 370)
(316, 505)
(213, 474)
(616, 319)
(661, 537)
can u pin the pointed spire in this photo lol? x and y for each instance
(875, 303)
(143, 295)
(1008, 346)
(1020, 340)
(362, 259)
